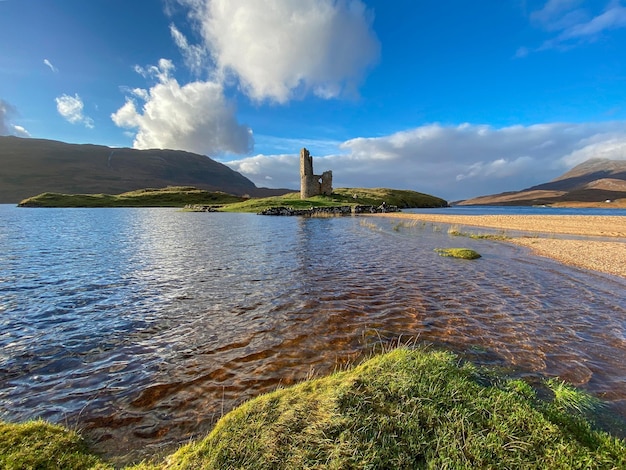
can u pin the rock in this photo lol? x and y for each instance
(328, 211)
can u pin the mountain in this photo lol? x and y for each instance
(594, 181)
(32, 166)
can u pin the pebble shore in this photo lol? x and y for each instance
(538, 232)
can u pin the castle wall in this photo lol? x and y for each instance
(310, 183)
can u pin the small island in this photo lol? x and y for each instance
(202, 200)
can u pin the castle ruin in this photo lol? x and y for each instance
(311, 184)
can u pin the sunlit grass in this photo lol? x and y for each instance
(341, 197)
(404, 409)
(456, 232)
(40, 445)
(568, 398)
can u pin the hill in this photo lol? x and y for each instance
(33, 166)
(593, 182)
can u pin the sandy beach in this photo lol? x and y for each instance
(539, 233)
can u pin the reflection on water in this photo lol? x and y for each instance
(143, 326)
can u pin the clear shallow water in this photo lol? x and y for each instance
(143, 326)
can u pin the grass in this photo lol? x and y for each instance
(405, 409)
(171, 196)
(40, 445)
(456, 232)
(462, 253)
(341, 197)
(179, 196)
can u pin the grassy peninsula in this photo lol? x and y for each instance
(341, 197)
(180, 196)
(171, 196)
(406, 409)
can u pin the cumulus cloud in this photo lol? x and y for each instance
(71, 108)
(7, 112)
(282, 49)
(453, 162)
(195, 117)
(573, 24)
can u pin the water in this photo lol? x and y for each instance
(143, 326)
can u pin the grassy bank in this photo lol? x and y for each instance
(172, 196)
(180, 196)
(340, 197)
(403, 409)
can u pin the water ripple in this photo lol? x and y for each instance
(143, 326)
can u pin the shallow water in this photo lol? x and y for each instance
(143, 326)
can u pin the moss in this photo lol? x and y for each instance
(463, 253)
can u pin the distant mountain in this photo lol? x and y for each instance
(595, 180)
(32, 166)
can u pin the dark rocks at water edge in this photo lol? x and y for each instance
(329, 211)
(201, 208)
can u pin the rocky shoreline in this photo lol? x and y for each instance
(329, 211)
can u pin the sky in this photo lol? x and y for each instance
(448, 97)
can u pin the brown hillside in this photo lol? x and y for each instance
(594, 181)
(33, 166)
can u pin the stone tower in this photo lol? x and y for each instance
(311, 184)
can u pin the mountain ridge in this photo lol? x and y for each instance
(31, 166)
(596, 180)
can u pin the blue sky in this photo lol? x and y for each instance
(452, 98)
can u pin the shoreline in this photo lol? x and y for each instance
(606, 256)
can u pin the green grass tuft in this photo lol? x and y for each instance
(40, 445)
(462, 253)
(404, 409)
(569, 398)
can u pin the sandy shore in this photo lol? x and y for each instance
(538, 233)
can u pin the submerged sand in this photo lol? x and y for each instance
(538, 233)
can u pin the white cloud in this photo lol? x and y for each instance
(48, 64)
(282, 49)
(279, 171)
(608, 145)
(572, 24)
(71, 108)
(195, 117)
(195, 56)
(7, 111)
(453, 162)
(613, 18)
